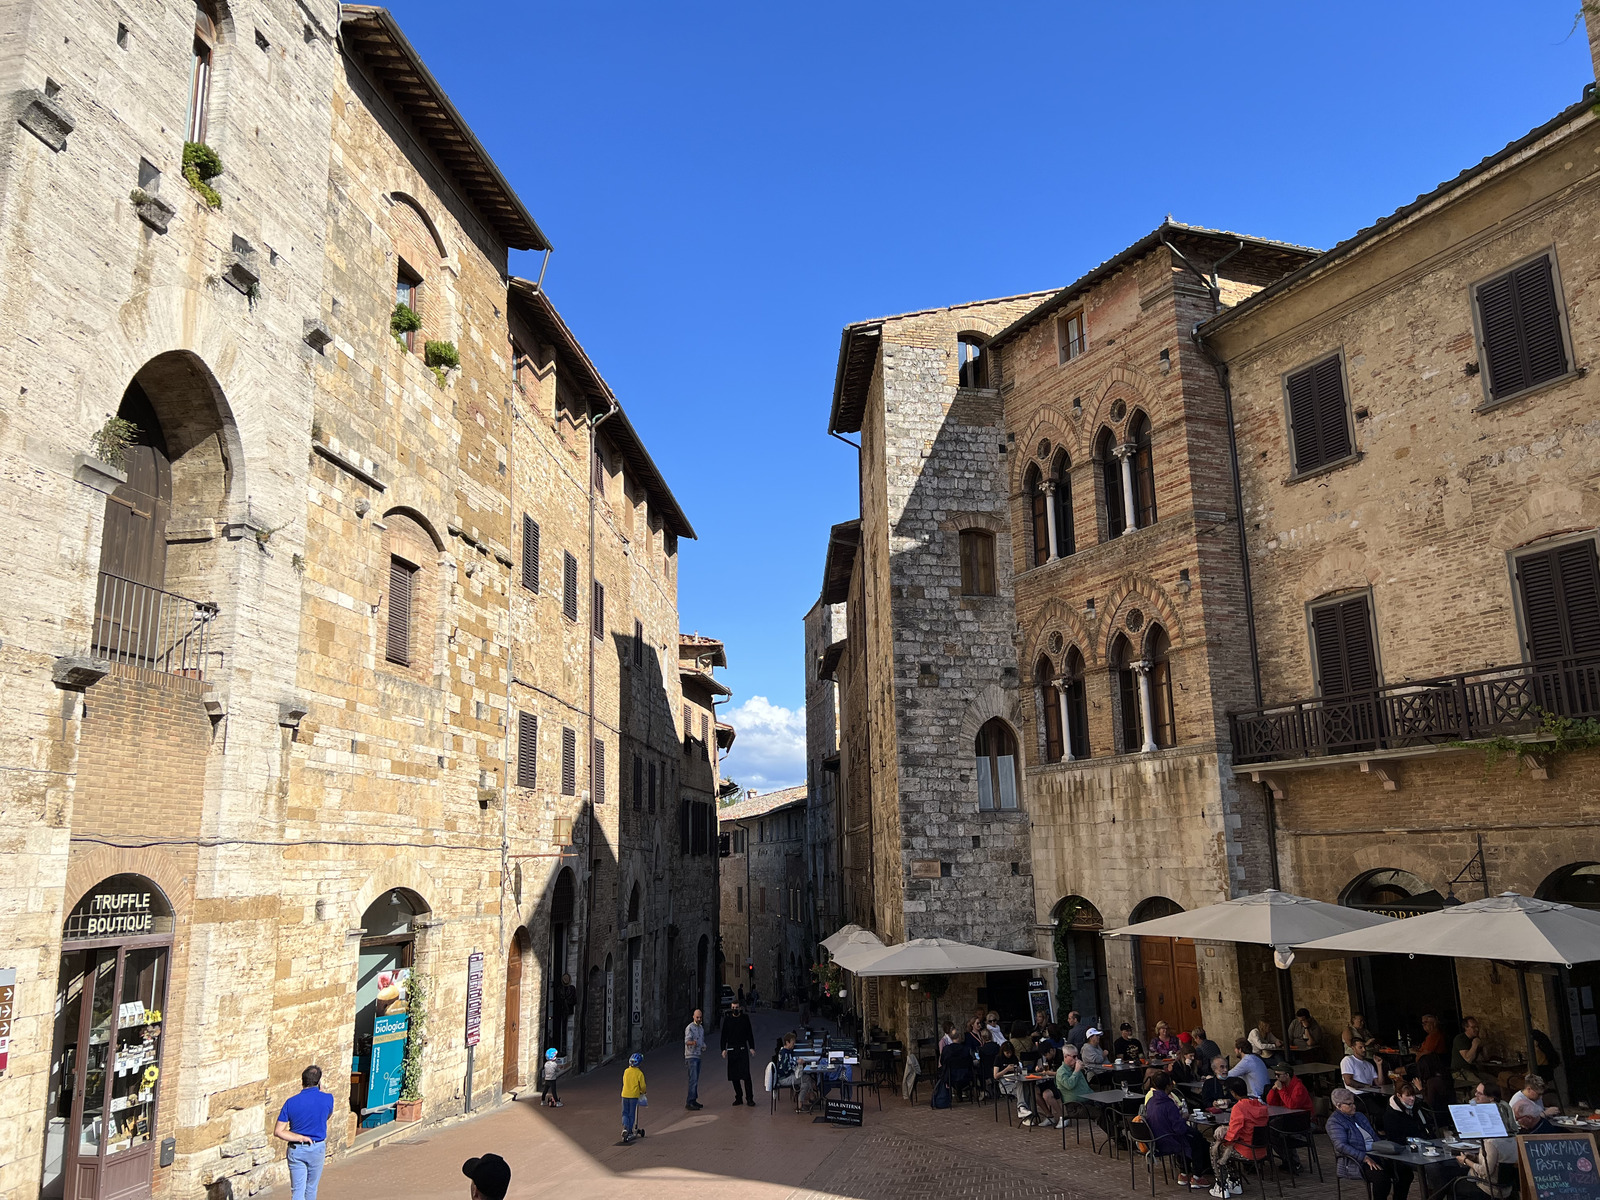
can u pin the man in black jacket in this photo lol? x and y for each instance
(738, 1039)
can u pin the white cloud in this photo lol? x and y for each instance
(770, 749)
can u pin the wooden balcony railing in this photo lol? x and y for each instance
(1499, 701)
(143, 626)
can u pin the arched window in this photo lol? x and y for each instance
(1130, 727)
(977, 562)
(996, 752)
(633, 904)
(974, 362)
(1163, 723)
(1049, 696)
(206, 27)
(1061, 473)
(1110, 467)
(1144, 472)
(1072, 685)
(1039, 516)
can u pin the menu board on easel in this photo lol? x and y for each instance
(1559, 1166)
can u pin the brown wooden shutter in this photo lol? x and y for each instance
(1521, 323)
(1347, 661)
(683, 827)
(599, 771)
(1132, 726)
(530, 553)
(688, 730)
(652, 787)
(397, 648)
(1560, 601)
(527, 750)
(1041, 524)
(1319, 427)
(569, 763)
(638, 784)
(569, 586)
(705, 737)
(597, 610)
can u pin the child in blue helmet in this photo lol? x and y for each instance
(633, 1089)
(552, 1071)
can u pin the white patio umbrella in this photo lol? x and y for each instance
(860, 947)
(1510, 928)
(942, 956)
(1281, 920)
(836, 939)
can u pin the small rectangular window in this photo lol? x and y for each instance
(530, 553)
(598, 771)
(1519, 324)
(569, 586)
(705, 737)
(599, 466)
(1070, 339)
(683, 827)
(1319, 415)
(527, 750)
(597, 610)
(569, 763)
(652, 787)
(1560, 593)
(397, 645)
(977, 562)
(638, 784)
(738, 893)
(638, 643)
(408, 291)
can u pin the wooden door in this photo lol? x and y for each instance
(511, 1067)
(1186, 984)
(1171, 980)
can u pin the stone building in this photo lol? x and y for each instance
(1131, 625)
(1420, 469)
(763, 893)
(271, 665)
(932, 847)
(824, 899)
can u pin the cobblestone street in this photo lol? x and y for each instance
(906, 1150)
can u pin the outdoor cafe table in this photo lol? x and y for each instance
(1401, 1153)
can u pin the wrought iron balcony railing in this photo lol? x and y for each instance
(142, 626)
(1499, 701)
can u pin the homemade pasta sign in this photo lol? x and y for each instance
(1559, 1166)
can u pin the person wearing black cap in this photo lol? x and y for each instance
(738, 1039)
(490, 1176)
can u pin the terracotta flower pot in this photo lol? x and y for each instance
(408, 1110)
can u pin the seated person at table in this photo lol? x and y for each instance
(1170, 1131)
(1432, 1038)
(1075, 1027)
(1125, 1045)
(1356, 1029)
(1185, 1067)
(1406, 1116)
(1051, 1038)
(974, 1026)
(1162, 1043)
(1250, 1068)
(1528, 1107)
(786, 1068)
(1263, 1044)
(1352, 1137)
(1483, 1171)
(1287, 1091)
(1072, 1083)
(1045, 1091)
(991, 1022)
(1204, 1046)
(1008, 1077)
(988, 1051)
(1305, 1035)
(1093, 1053)
(1248, 1114)
(946, 1036)
(1358, 1069)
(1215, 1086)
(1468, 1055)
(955, 1061)
(1022, 1040)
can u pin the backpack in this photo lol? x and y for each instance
(941, 1094)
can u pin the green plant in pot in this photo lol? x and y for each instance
(418, 988)
(442, 357)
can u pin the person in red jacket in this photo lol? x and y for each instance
(1249, 1114)
(1287, 1091)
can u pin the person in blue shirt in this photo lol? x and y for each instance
(1251, 1069)
(303, 1123)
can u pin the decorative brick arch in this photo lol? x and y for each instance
(1552, 511)
(97, 865)
(1338, 570)
(1396, 855)
(1143, 592)
(1060, 617)
(408, 498)
(992, 701)
(398, 873)
(1122, 382)
(1047, 423)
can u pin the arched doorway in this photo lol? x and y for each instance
(561, 998)
(1166, 971)
(1577, 994)
(1080, 952)
(1394, 991)
(388, 951)
(511, 1065)
(105, 1067)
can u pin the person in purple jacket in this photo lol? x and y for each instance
(1172, 1134)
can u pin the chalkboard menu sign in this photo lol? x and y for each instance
(1559, 1166)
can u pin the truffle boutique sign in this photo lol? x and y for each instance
(119, 908)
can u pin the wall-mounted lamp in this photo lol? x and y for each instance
(1166, 362)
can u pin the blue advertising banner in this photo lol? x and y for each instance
(388, 1056)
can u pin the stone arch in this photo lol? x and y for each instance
(89, 869)
(1360, 861)
(1122, 382)
(396, 873)
(1059, 616)
(992, 701)
(1339, 570)
(1046, 423)
(420, 519)
(427, 222)
(1131, 592)
(1554, 510)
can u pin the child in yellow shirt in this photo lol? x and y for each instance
(633, 1095)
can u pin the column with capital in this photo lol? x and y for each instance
(1142, 667)
(1130, 514)
(1050, 515)
(1066, 725)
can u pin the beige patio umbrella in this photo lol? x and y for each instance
(1281, 920)
(860, 947)
(941, 956)
(1510, 928)
(836, 939)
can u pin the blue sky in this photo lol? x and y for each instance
(728, 185)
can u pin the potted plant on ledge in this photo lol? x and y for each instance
(409, 1106)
